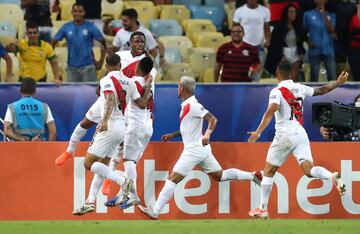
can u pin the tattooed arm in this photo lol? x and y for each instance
(109, 108)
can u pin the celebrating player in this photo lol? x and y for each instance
(285, 102)
(129, 60)
(116, 91)
(138, 133)
(197, 150)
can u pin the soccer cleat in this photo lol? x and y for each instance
(148, 211)
(339, 184)
(62, 158)
(257, 177)
(106, 187)
(257, 213)
(128, 202)
(86, 208)
(113, 202)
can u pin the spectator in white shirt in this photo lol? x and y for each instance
(255, 20)
(131, 24)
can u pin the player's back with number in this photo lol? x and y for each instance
(286, 121)
(124, 90)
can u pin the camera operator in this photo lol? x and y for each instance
(342, 134)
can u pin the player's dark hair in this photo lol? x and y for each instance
(131, 13)
(145, 65)
(113, 60)
(28, 86)
(285, 68)
(137, 33)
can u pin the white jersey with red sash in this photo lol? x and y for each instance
(105, 143)
(124, 90)
(129, 62)
(290, 97)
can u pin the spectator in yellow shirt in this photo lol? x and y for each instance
(33, 54)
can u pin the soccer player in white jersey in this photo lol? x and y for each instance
(138, 133)
(129, 60)
(197, 150)
(116, 91)
(285, 102)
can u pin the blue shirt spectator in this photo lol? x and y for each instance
(320, 25)
(80, 35)
(79, 42)
(319, 35)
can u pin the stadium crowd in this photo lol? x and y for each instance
(319, 38)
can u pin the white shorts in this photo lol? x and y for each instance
(93, 113)
(298, 144)
(136, 140)
(196, 156)
(105, 144)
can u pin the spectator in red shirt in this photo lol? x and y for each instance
(354, 51)
(239, 60)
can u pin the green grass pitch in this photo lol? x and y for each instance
(274, 226)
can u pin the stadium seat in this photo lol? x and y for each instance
(12, 13)
(7, 30)
(200, 60)
(176, 12)
(56, 26)
(227, 39)
(230, 9)
(174, 71)
(66, 9)
(172, 55)
(209, 40)
(111, 9)
(131, 4)
(61, 54)
(145, 12)
(208, 76)
(21, 29)
(187, 3)
(182, 43)
(198, 27)
(215, 14)
(17, 2)
(167, 27)
(215, 3)
(186, 22)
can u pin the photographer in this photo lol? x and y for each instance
(342, 135)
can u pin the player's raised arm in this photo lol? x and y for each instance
(212, 121)
(266, 119)
(329, 87)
